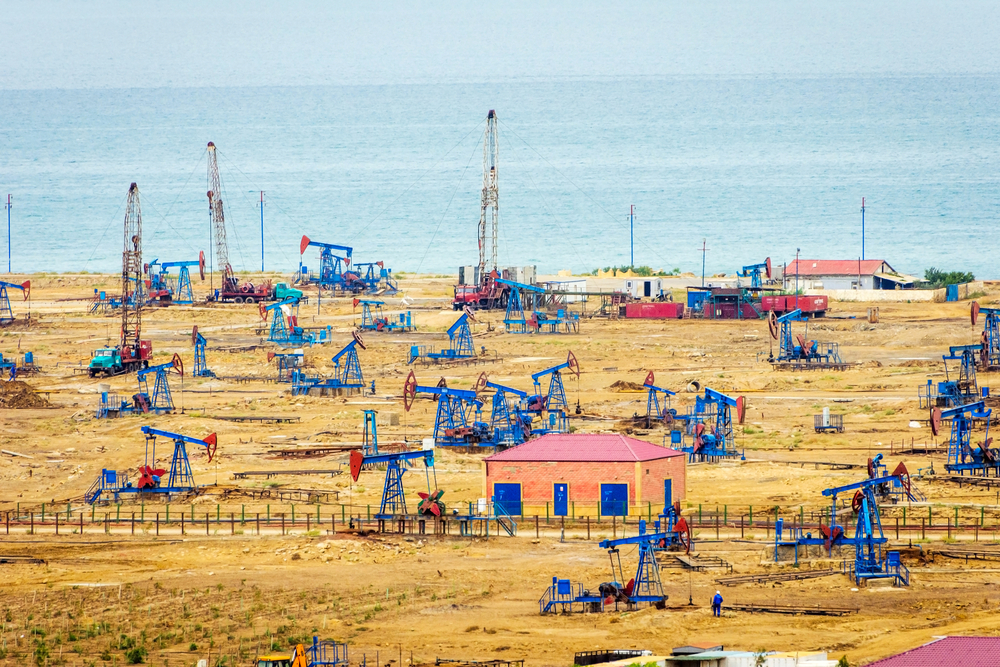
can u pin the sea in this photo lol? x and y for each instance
(737, 131)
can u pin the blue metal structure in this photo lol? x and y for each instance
(990, 358)
(369, 443)
(159, 401)
(285, 329)
(870, 559)
(554, 402)
(287, 362)
(510, 419)
(754, 273)
(326, 653)
(6, 313)
(165, 289)
(334, 272)
(644, 587)
(515, 321)
(456, 422)
(708, 426)
(654, 411)
(201, 369)
(348, 376)
(373, 318)
(376, 278)
(963, 458)
(393, 502)
(807, 354)
(954, 392)
(900, 489)
(460, 335)
(149, 480)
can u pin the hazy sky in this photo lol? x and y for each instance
(106, 43)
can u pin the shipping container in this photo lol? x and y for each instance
(654, 311)
(640, 288)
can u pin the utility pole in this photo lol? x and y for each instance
(862, 228)
(491, 199)
(631, 236)
(704, 250)
(796, 278)
(262, 231)
(8, 233)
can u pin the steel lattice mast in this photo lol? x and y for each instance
(132, 274)
(491, 201)
(219, 221)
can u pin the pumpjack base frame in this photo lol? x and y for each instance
(804, 365)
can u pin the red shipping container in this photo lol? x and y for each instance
(654, 311)
(775, 303)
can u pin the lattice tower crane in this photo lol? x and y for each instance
(229, 283)
(489, 215)
(132, 278)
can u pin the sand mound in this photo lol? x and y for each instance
(625, 385)
(17, 394)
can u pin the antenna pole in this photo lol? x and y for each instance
(8, 233)
(262, 231)
(704, 250)
(862, 228)
(631, 236)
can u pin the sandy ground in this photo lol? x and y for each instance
(450, 597)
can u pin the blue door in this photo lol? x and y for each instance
(668, 496)
(614, 499)
(561, 496)
(507, 498)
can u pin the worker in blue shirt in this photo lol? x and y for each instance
(717, 604)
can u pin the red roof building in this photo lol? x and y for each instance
(577, 474)
(844, 274)
(964, 651)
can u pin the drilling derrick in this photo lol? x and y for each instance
(219, 222)
(132, 276)
(490, 213)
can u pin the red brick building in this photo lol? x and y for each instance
(585, 474)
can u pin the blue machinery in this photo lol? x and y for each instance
(326, 653)
(393, 504)
(163, 287)
(870, 561)
(754, 272)
(285, 329)
(287, 362)
(990, 357)
(376, 278)
(808, 354)
(658, 402)
(515, 321)
(149, 480)
(510, 416)
(460, 335)
(201, 369)
(160, 401)
(6, 313)
(348, 377)
(455, 423)
(957, 392)
(333, 268)
(900, 489)
(962, 457)
(554, 402)
(373, 319)
(645, 587)
(708, 433)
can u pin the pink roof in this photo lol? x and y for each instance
(965, 651)
(599, 447)
(836, 267)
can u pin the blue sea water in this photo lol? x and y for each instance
(756, 126)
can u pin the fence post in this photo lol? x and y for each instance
(741, 526)
(232, 523)
(751, 516)
(258, 524)
(57, 522)
(282, 523)
(243, 514)
(923, 533)
(133, 523)
(536, 526)
(81, 522)
(897, 527)
(182, 523)
(157, 523)
(949, 528)
(206, 522)
(588, 527)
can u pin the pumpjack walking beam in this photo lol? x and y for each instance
(201, 369)
(981, 460)
(334, 272)
(460, 337)
(393, 503)
(455, 422)
(754, 272)
(990, 357)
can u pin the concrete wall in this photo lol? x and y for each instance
(828, 282)
(897, 296)
(644, 479)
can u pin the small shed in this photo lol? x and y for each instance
(578, 474)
